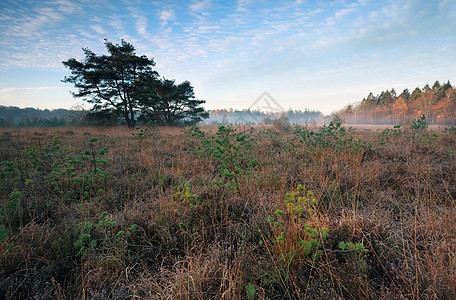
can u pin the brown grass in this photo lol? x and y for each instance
(395, 195)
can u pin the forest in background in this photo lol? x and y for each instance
(11, 116)
(437, 103)
(231, 116)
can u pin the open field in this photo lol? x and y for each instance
(228, 213)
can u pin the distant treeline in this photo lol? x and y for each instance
(230, 116)
(11, 116)
(437, 103)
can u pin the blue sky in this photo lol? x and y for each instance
(305, 54)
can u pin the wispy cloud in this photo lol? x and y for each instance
(140, 22)
(13, 92)
(141, 25)
(219, 45)
(98, 29)
(199, 6)
(32, 26)
(66, 6)
(166, 16)
(339, 15)
(241, 5)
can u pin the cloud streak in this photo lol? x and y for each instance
(13, 92)
(222, 46)
(166, 16)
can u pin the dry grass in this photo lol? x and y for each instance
(160, 220)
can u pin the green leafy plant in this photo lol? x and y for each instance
(140, 137)
(350, 246)
(36, 159)
(230, 149)
(332, 137)
(102, 234)
(420, 133)
(420, 124)
(85, 241)
(12, 214)
(144, 135)
(250, 290)
(295, 236)
(77, 176)
(3, 233)
(354, 254)
(388, 135)
(184, 194)
(451, 130)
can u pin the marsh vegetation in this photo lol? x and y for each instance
(246, 212)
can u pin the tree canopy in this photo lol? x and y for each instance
(168, 103)
(124, 86)
(436, 102)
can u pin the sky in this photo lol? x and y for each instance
(305, 54)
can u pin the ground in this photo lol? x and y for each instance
(244, 212)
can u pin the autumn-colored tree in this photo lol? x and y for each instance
(415, 94)
(405, 95)
(399, 109)
(445, 108)
(437, 103)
